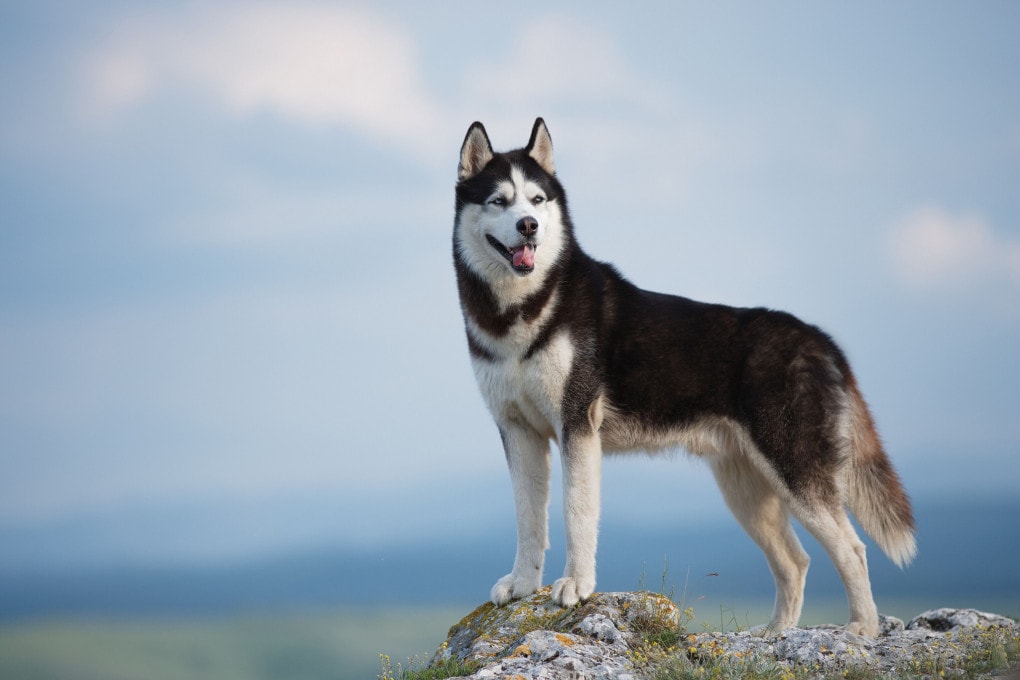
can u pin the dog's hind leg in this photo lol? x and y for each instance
(828, 522)
(763, 514)
(527, 456)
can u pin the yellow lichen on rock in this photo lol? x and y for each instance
(566, 640)
(522, 650)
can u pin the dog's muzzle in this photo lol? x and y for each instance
(521, 257)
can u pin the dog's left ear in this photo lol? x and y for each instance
(540, 147)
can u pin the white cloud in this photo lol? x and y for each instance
(321, 65)
(569, 71)
(314, 63)
(931, 248)
(556, 59)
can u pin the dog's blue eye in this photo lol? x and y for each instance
(538, 199)
(498, 201)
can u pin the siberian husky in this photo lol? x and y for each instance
(566, 349)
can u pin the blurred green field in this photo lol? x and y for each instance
(329, 645)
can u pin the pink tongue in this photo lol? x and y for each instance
(524, 256)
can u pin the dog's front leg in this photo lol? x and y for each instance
(582, 486)
(527, 455)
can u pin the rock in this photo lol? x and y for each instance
(944, 620)
(534, 638)
(624, 635)
(887, 625)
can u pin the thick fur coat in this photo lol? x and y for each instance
(566, 349)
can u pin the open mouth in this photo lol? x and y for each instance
(521, 258)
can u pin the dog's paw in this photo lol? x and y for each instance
(511, 587)
(863, 629)
(570, 590)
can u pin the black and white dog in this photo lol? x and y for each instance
(564, 348)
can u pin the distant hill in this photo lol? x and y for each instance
(968, 557)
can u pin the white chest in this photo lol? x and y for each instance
(527, 391)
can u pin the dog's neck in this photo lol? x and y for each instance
(496, 302)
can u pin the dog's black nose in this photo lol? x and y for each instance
(527, 226)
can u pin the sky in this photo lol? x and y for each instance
(226, 287)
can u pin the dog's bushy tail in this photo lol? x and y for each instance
(874, 491)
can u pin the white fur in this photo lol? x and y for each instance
(527, 393)
(528, 460)
(763, 514)
(525, 398)
(582, 488)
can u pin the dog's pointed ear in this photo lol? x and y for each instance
(540, 147)
(475, 153)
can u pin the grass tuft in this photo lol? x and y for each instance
(421, 669)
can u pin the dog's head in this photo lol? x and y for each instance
(510, 206)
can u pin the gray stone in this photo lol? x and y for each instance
(887, 625)
(533, 639)
(944, 620)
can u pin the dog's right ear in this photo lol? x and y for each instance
(475, 153)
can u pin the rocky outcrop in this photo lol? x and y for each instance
(945, 637)
(628, 635)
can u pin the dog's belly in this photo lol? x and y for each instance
(702, 436)
(528, 392)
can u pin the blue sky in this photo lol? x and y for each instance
(225, 281)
